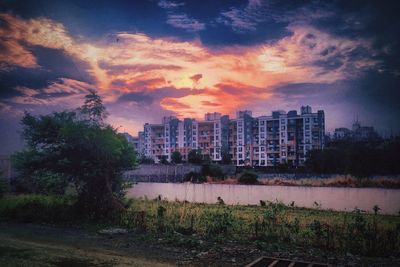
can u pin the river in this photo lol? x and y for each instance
(335, 198)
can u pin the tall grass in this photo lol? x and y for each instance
(36, 208)
(356, 232)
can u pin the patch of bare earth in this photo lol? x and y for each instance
(38, 245)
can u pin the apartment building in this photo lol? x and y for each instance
(281, 138)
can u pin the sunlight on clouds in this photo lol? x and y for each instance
(231, 77)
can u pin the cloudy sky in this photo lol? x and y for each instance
(153, 58)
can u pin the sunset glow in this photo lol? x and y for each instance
(143, 74)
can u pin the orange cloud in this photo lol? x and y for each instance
(225, 78)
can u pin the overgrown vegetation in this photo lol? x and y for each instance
(4, 186)
(270, 223)
(79, 148)
(212, 170)
(248, 177)
(360, 159)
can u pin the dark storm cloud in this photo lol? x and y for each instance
(148, 96)
(138, 97)
(53, 65)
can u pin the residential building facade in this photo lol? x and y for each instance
(281, 138)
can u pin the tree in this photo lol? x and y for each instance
(225, 156)
(176, 157)
(248, 177)
(195, 156)
(164, 159)
(79, 146)
(93, 109)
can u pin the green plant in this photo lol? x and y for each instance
(4, 185)
(213, 170)
(176, 157)
(218, 222)
(248, 177)
(194, 177)
(37, 208)
(81, 146)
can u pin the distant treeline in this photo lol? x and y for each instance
(360, 159)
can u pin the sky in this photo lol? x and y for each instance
(149, 59)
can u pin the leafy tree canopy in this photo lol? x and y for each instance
(176, 157)
(79, 146)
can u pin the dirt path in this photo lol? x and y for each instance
(41, 246)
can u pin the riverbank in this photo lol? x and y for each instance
(330, 181)
(327, 198)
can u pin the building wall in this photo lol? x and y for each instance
(282, 138)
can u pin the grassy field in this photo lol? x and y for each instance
(189, 224)
(366, 234)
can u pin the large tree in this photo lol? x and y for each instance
(80, 146)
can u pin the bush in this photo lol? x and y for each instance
(248, 177)
(36, 208)
(213, 170)
(218, 222)
(194, 177)
(48, 183)
(4, 187)
(195, 156)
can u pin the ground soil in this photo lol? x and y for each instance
(44, 245)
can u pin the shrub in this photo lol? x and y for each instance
(36, 208)
(176, 157)
(194, 177)
(248, 177)
(47, 183)
(218, 222)
(4, 186)
(213, 170)
(195, 156)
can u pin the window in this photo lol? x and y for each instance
(307, 120)
(262, 148)
(283, 128)
(283, 121)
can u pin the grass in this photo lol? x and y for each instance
(367, 234)
(335, 181)
(186, 224)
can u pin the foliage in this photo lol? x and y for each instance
(146, 160)
(248, 177)
(47, 182)
(360, 159)
(83, 149)
(218, 222)
(195, 156)
(225, 156)
(355, 232)
(4, 186)
(176, 157)
(194, 177)
(213, 170)
(93, 109)
(274, 223)
(37, 208)
(164, 159)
